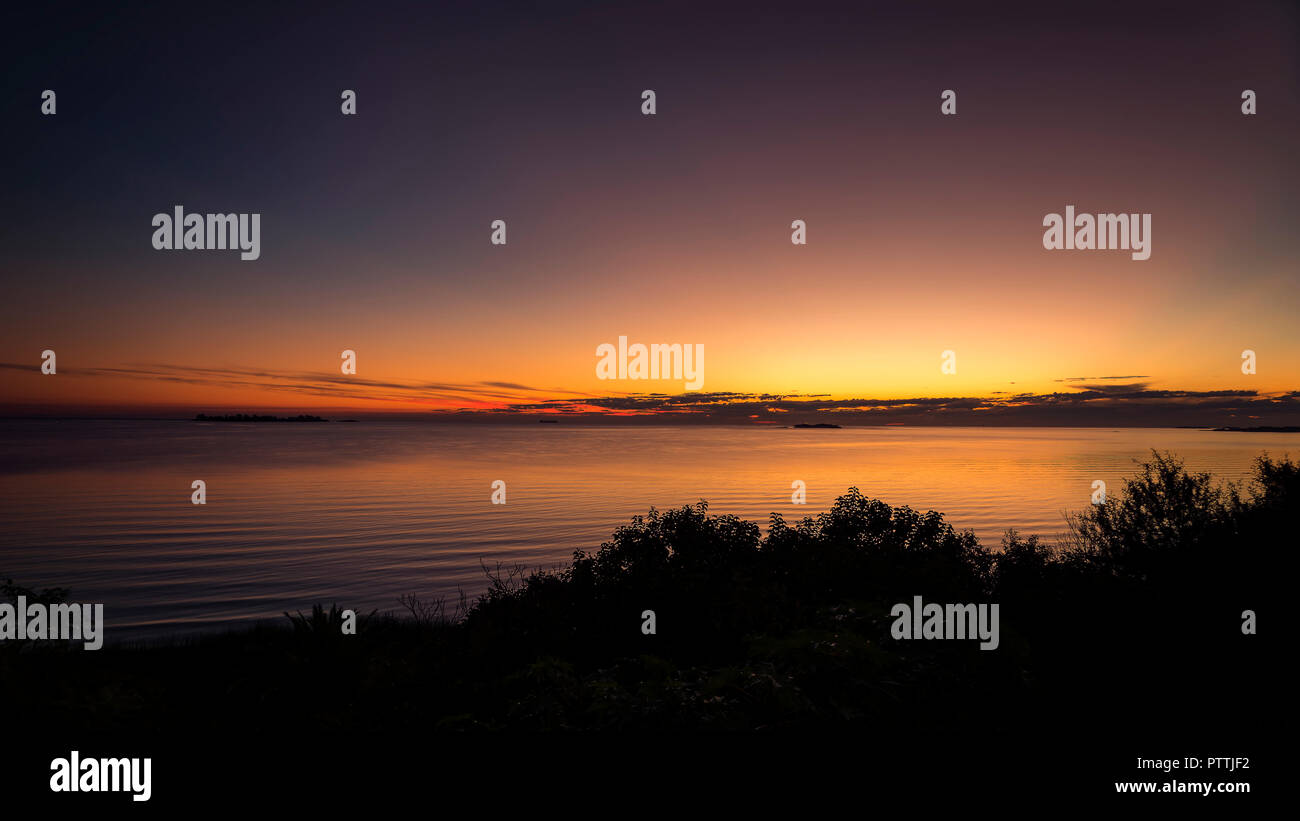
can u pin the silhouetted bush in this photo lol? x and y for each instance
(1138, 614)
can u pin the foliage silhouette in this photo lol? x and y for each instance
(1135, 618)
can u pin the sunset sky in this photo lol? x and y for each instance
(924, 231)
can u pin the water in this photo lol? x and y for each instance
(360, 514)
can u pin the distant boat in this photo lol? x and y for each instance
(818, 425)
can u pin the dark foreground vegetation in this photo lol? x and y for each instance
(1136, 621)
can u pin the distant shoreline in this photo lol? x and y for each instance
(1263, 429)
(246, 417)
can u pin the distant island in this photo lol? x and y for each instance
(818, 425)
(1283, 429)
(549, 421)
(248, 417)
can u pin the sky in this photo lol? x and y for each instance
(924, 231)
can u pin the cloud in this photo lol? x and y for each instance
(1128, 404)
(1095, 378)
(336, 386)
(1086, 401)
(1115, 389)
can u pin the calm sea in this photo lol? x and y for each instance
(360, 514)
